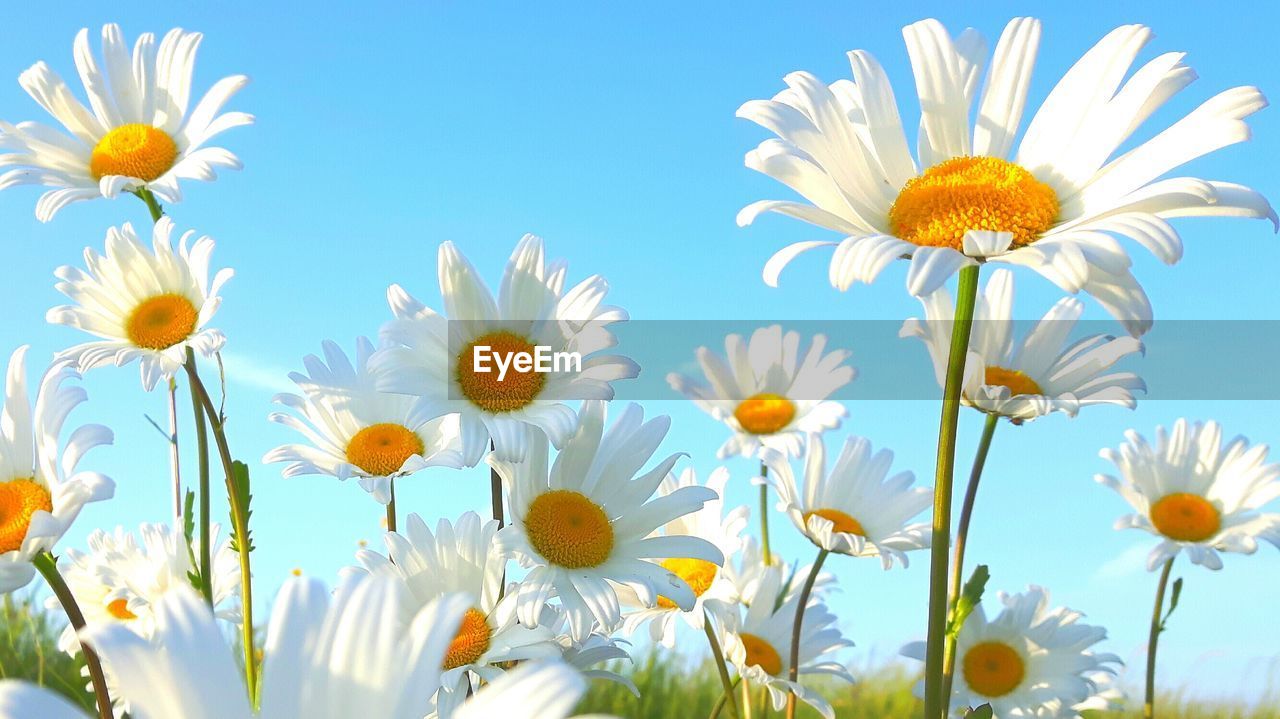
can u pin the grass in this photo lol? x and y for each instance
(29, 650)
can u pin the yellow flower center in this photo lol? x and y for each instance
(161, 322)
(19, 499)
(761, 654)
(699, 574)
(569, 530)
(844, 523)
(937, 208)
(993, 669)
(471, 641)
(1017, 382)
(765, 413)
(515, 390)
(133, 150)
(381, 449)
(119, 608)
(1186, 517)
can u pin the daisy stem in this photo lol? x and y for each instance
(723, 668)
(391, 507)
(48, 568)
(793, 671)
(202, 457)
(962, 536)
(935, 652)
(152, 204)
(174, 466)
(764, 516)
(724, 698)
(1149, 705)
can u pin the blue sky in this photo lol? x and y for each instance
(611, 132)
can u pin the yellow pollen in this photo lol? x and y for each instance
(19, 499)
(1017, 382)
(569, 530)
(844, 523)
(161, 322)
(471, 641)
(133, 150)
(1186, 517)
(297, 571)
(937, 208)
(381, 449)
(516, 389)
(765, 413)
(993, 669)
(119, 608)
(699, 574)
(761, 654)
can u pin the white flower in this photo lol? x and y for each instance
(145, 305)
(857, 508)
(768, 391)
(1196, 494)
(41, 490)
(354, 430)
(434, 356)
(1053, 205)
(1030, 379)
(462, 560)
(583, 524)
(589, 654)
(715, 592)
(540, 690)
(1030, 661)
(137, 131)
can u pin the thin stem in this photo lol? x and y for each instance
(175, 469)
(153, 205)
(48, 567)
(962, 537)
(391, 507)
(721, 667)
(240, 525)
(495, 491)
(764, 516)
(935, 653)
(202, 458)
(724, 699)
(793, 671)
(1149, 705)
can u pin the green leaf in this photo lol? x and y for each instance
(240, 504)
(1173, 602)
(189, 518)
(983, 712)
(970, 598)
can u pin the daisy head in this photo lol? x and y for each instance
(537, 690)
(41, 488)
(585, 523)
(857, 508)
(136, 133)
(1026, 379)
(1029, 661)
(712, 587)
(144, 304)
(354, 430)
(1054, 203)
(452, 361)
(1195, 492)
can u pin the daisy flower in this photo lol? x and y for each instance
(714, 591)
(434, 358)
(1054, 204)
(582, 525)
(540, 690)
(769, 391)
(136, 133)
(747, 570)
(1028, 379)
(1030, 661)
(148, 305)
(1195, 493)
(759, 645)
(354, 430)
(462, 560)
(41, 490)
(856, 508)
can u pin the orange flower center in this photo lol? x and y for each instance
(1017, 382)
(119, 608)
(471, 641)
(515, 390)
(937, 208)
(761, 654)
(133, 150)
(381, 449)
(993, 669)
(844, 523)
(569, 530)
(19, 499)
(699, 574)
(765, 413)
(1186, 517)
(161, 322)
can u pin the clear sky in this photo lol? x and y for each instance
(385, 129)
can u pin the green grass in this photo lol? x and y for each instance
(29, 650)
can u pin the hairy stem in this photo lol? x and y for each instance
(48, 568)
(1149, 704)
(718, 653)
(793, 670)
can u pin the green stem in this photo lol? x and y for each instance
(48, 568)
(153, 205)
(391, 507)
(764, 517)
(721, 667)
(793, 670)
(724, 699)
(175, 468)
(935, 653)
(202, 458)
(1149, 705)
(957, 561)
